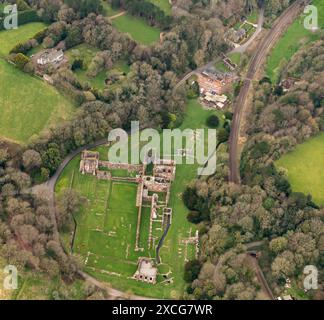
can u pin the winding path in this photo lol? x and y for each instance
(256, 63)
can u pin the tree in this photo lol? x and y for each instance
(20, 60)
(67, 203)
(194, 217)
(44, 174)
(192, 269)
(278, 245)
(222, 135)
(51, 157)
(212, 121)
(283, 265)
(84, 7)
(22, 5)
(4, 156)
(31, 159)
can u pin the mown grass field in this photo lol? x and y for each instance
(295, 37)
(27, 104)
(305, 168)
(106, 231)
(137, 28)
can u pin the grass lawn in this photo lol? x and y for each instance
(10, 38)
(235, 58)
(253, 17)
(28, 104)
(305, 168)
(295, 37)
(163, 5)
(107, 222)
(137, 28)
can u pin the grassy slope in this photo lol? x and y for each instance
(121, 217)
(295, 37)
(27, 104)
(9, 39)
(305, 168)
(138, 29)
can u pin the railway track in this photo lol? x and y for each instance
(255, 65)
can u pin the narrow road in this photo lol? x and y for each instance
(244, 46)
(113, 293)
(241, 49)
(50, 188)
(256, 63)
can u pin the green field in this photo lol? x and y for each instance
(305, 168)
(28, 104)
(295, 37)
(163, 5)
(137, 28)
(10, 38)
(105, 235)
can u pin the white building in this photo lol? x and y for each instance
(50, 56)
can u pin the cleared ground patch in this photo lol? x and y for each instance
(137, 28)
(305, 168)
(295, 37)
(27, 104)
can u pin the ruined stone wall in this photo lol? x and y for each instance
(123, 166)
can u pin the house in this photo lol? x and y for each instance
(50, 56)
(239, 35)
(214, 82)
(236, 36)
(146, 271)
(287, 84)
(215, 99)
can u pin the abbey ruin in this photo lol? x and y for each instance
(153, 192)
